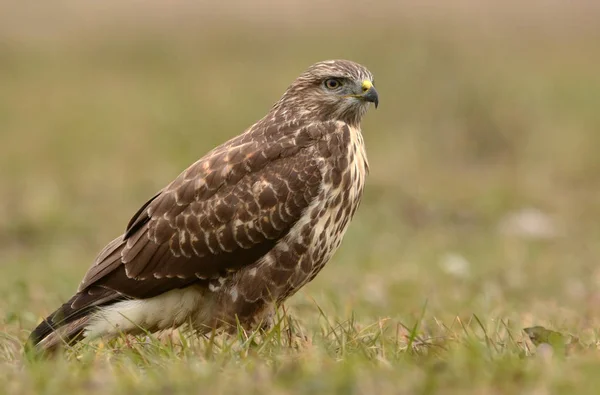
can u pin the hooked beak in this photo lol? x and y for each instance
(369, 93)
(371, 96)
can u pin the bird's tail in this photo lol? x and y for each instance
(62, 327)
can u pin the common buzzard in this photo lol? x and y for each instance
(240, 230)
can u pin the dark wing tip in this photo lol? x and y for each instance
(40, 332)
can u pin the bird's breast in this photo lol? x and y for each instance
(329, 216)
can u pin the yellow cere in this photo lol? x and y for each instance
(366, 85)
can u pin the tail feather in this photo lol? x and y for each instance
(67, 324)
(64, 326)
(67, 334)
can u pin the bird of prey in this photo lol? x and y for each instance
(241, 229)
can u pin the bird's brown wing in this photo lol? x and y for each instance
(224, 212)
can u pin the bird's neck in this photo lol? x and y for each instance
(305, 111)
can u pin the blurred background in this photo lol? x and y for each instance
(484, 192)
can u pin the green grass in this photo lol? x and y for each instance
(430, 291)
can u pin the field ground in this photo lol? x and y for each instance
(480, 219)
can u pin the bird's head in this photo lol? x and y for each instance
(331, 90)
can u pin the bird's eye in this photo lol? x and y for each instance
(332, 83)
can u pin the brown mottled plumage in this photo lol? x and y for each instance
(241, 229)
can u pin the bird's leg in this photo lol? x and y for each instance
(267, 318)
